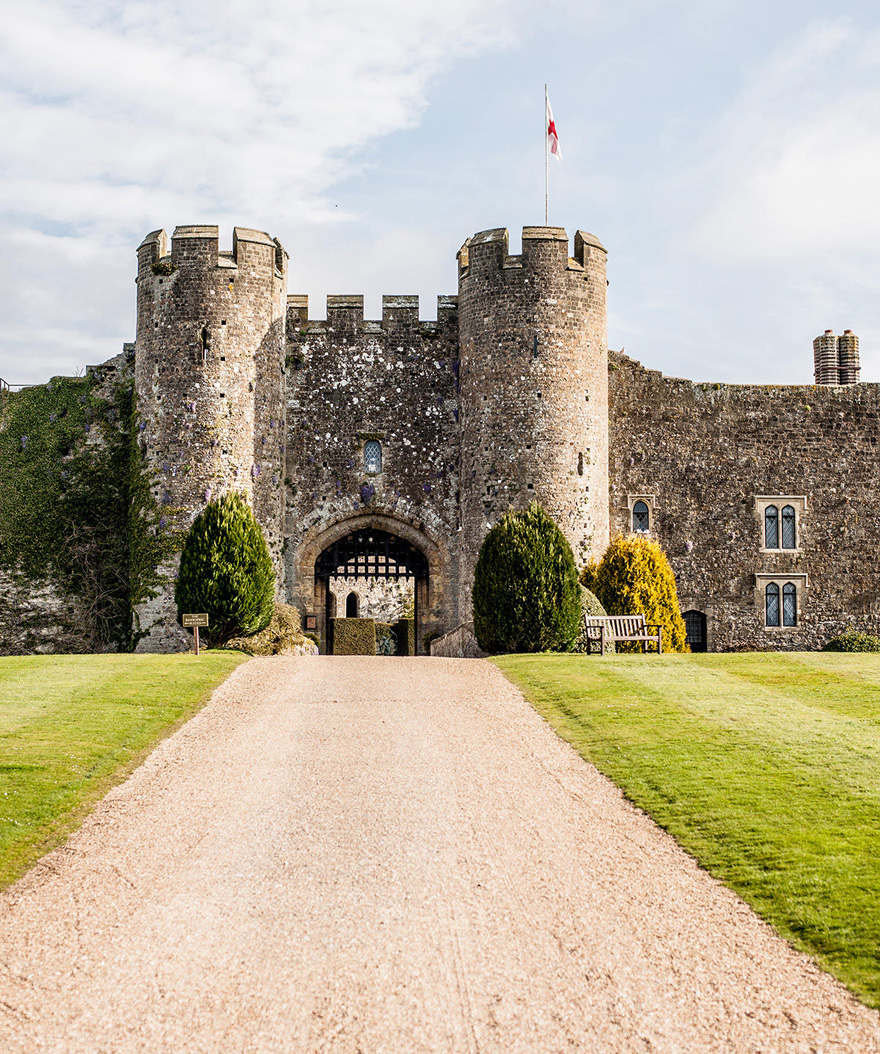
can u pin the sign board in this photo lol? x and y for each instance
(189, 621)
(311, 621)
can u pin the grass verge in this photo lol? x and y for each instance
(765, 767)
(72, 726)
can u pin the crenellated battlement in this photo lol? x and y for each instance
(196, 248)
(489, 251)
(345, 315)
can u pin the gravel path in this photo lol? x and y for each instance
(390, 855)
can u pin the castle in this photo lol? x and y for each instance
(389, 447)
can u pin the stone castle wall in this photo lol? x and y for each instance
(534, 387)
(209, 385)
(703, 455)
(507, 397)
(395, 381)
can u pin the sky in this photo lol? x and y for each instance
(727, 155)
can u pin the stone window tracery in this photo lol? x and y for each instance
(641, 513)
(781, 519)
(771, 604)
(789, 604)
(641, 517)
(780, 598)
(372, 456)
(771, 527)
(789, 529)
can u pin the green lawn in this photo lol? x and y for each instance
(73, 725)
(765, 767)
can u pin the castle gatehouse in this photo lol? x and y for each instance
(385, 449)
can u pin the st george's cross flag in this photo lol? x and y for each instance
(552, 134)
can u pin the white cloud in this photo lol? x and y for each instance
(794, 168)
(118, 118)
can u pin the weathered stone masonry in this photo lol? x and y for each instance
(395, 381)
(704, 455)
(509, 396)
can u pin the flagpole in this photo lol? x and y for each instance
(546, 161)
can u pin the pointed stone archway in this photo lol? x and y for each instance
(375, 545)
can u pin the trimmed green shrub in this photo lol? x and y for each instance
(405, 632)
(526, 595)
(634, 578)
(590, 605)
(226, 570)
(853, 640)
(354, 636)
(280, 637)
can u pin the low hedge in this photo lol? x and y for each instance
(853, 640)
(354, 636)
(405, 632)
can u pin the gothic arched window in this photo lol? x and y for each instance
(351, 605)
(789, 603)
(641, 517)
(771, 604)
(372, 456)
(789, 529)
(771, 528)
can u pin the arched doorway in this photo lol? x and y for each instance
(372, 553)
(695, 625)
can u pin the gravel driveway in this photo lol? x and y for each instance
(390, 855)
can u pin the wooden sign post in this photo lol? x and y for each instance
(193, 622)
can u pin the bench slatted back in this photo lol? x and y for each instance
(619, 625)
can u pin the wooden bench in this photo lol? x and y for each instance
(609, 629)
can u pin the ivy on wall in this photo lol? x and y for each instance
(152, 536)
(77, 511)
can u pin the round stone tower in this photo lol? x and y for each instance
(209, 362)
(534, 387)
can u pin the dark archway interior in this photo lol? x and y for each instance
(695, 624)
(373, 553)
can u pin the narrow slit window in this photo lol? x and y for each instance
(641, 517)
(372, 456)
(771, 595)
(789, 528)
(771, 528)
(789, 604)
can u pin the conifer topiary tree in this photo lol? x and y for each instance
(590, 606)
(226, 570)
(634, 578)
(526, 595)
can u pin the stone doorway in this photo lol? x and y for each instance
(372, 573)
(695, 625)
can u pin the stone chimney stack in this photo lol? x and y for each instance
(848, 347)
(826, 360)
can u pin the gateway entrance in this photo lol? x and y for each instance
(375, 572)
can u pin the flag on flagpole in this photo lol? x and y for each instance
(552, 134)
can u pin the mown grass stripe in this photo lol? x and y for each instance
(765, 768)
(72, 726)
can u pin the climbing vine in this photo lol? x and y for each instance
(77, 511)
